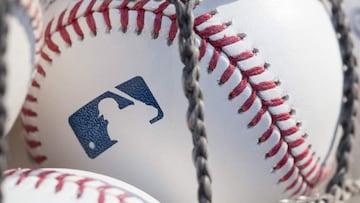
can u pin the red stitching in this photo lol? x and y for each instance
(61, 181)
(264, 86)
(238, 89)
(28, 112)
(89, 9)
(306, 164)
(33, 11)
(30, 128)
(274, 150)
(38, 38)
(298, 190)
(122, 197)
(226, 41)
(52, 46)
(124, 18)
(140, 20)
(101, 191)
(281, 117)
(73, 20)
(173, 29)
(218, 45)
(282, 162)
(227, 74)
(202, 49)
(273, 102)
(30, 98)
(241, 57)
(44, 56)
(254, 71)
(33, 144)
(104, 8)
(37, 21)
(35, 84)
(296, 143)
(23, 176)
(316, 177)
(267, 134)
(9, 172)
(248, 103)
(214, 60)
(35, 16)
(202, 19)
(140, 5)
(40, 159)
(311, 171)
(39, 176)
(158, 17)
(42, 176)
(289, 131)
(302, 155)
(81, 184)
(40, 70)
(90, 18)
(258, 117)
(293, 184)
(209, 31)
(288, 174)
(63, 32)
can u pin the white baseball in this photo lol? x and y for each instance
(107, 96)
(25, 25)
(67, 185)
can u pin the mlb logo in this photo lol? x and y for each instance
(90, 123)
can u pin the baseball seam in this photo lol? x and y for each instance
(304, 170)
(37, 177)
(33, 10)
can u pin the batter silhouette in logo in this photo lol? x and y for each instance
(90, 122)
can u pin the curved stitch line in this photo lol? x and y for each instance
(35, 17)
(44, 174)
(260, 87)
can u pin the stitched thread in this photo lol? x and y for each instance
(102, 189)
(33, 10)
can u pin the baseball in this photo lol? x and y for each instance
(107, 96)
(24, 32)
(67, 185)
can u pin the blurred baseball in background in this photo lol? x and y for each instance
(24, 33)
(67, 185)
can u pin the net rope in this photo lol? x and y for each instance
(189, 55)
(3, 42)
